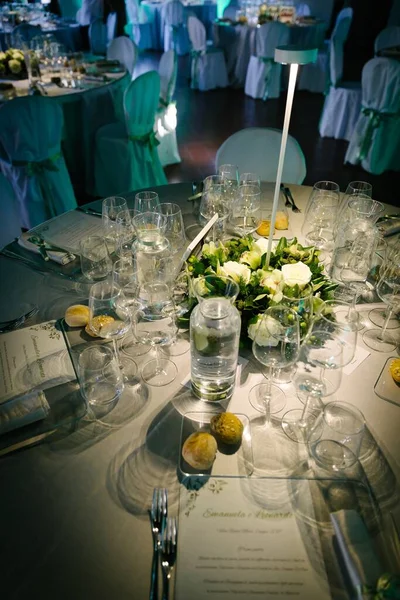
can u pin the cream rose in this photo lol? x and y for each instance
(235, 271)
(297, 273)
(265, 328)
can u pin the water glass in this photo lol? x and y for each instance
(249, 179)
(212, 202)
(96, 263)
(100, 378)
(246, 212)
(174, 229)
(111, 208)
(150, 229)
(146, 201)
(335, 439)
(230, 180)
(125, 232)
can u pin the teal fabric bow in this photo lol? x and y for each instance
(268, 62)
(38, 169)
(386, 588)
(195, 60)
(375, 118)
(149, 141)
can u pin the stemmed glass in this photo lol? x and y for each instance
(125, 232)
(321, 213)
(341, 319)
(155, 325)
(388, 290)
(146, 201)
(246, 213)
(377, 316)
(355, 188)
(110, 318)
(276, 346)
(319, 373)
(112, 207)
(174, 228)
(213, 202)
(230, 179)
(250, 179)
(300, 298)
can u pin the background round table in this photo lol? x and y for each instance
(67, 34)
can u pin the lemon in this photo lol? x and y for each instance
(394, 369)
(94, 327)
(263, 228)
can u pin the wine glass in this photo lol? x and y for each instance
(377, 316)
(110, 208)
(353, 189)
(96, 262)
(320, 216)
(212, 202)
(125, 232)
(275, 345)
(318, 375)
(125, 276)
(174, 228)
(146, 201)
(341, 319)
(250, 179)
(155, 325)
(246, 213)
(300, 298)
(110, 318)
(388, 290)
(230, 180)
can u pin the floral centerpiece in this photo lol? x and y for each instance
(292, 271)
(12, 64)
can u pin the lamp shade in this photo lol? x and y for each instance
(292, 54)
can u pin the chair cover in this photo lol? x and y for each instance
(126, 156)
(10, 226)
(256, 150)
(98, 37)
(263, 78)
(375, 142)
(124, 50)
(343, 102)
(387, 38)
(303, 10)
(231, 10)
(208, 68)
(139, 26)
(30, 135)
(111, 26)
(175, 29)
(166, 118)
(90, 11)
(26, 32)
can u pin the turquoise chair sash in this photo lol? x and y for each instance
(375, 119)
(148, 140)
(268, 62)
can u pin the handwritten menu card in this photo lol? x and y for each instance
(33, 358)
(234, 545)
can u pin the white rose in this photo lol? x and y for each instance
(252, 258)
(261, 246)
(297, 273)
(235, 271)
(271, 279)
(266, 328)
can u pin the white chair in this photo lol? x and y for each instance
(10, 227)
(124, 50)
(175, 29)
(98, 37)
(166, 118)
(375, 142)
(126, 157)
(263, 78)
(111, 26)
(30, 135)
(314, 77)
(256, 150)
(89, 11)
(140, 24)
(387, 38)
(343, 101)
(208, 68)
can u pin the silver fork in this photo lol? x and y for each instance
(169, 539)
(158, 516)
(17, 322)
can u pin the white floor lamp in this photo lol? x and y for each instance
(293, 56)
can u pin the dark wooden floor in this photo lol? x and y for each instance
(206, 119)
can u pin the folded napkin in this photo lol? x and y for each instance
(359, 557)
(23, 410)
(60, 257)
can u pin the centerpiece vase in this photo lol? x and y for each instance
(214, 338)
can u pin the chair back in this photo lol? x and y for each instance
(123, 49)
(303, 10)
(26, 32)
(141, 102)
(168, 69)
(387, 38)
(173, 12)
(30, 128)
(111, 26)
(380, 82)
(10, 226)
(256, 150)
(98, 37)
(197, 34)
(345, 13)
(231, 10)
(269, 36)
(132, 11)
(336, 45)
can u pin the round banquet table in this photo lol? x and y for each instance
(206, 12)
(85, 111)
(74, 507)
(67, 34)
(239, 43)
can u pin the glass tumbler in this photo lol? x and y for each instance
(96, 263)
(100, 377)
(336, 436)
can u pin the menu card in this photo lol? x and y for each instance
(69, 229)
(33, 358)
(234, 543)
